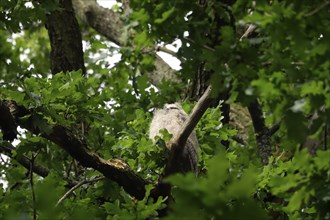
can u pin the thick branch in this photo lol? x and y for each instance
(114, 169)
(109, 24)
(261, 131)
(106, 22)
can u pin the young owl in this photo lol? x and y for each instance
(172, 118)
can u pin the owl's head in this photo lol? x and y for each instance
(173, 106)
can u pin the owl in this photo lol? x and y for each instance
(172, 118)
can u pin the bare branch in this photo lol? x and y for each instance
(66, 195)
(204, 46)
(196, 114)
(179, 140)
(115, 169)
(317, 9)
(248, 31)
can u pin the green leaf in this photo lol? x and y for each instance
(166, 15)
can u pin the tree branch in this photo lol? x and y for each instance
(109, 24)
(196, 114)
(66, 195)
(326, 3)
(274, 128)
(105, 21)
(114, 169)
(7, 123)
(24, 161)
(179, 140)
(166, 50)
(32, 187)
(261, 131)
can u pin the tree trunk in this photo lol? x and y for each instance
(65, 39)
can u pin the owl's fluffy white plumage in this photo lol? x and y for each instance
(172, 118)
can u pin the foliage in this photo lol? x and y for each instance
(304, 189)
(225, 192)
(285, 65)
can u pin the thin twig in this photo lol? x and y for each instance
(32, 186)
(274, 128)
(204, 46)
(317, 9)
(3, 160)
(248, 31)
(166, 50)
(77, 186)
(69, 168)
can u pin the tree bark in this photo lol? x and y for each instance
(65, 39)
(109, 24)
(67, 55)
(262, 132)
(7, 122)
